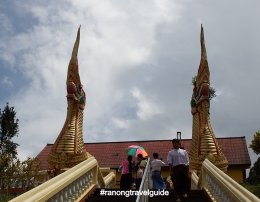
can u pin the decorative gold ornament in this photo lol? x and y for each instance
(203, 144)
(68, 149)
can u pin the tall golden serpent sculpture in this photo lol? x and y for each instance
(68, 149)
(204, 143)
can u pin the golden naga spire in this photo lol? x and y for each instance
(68, 149)
(204, 143)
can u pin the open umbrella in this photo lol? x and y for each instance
(134, 150)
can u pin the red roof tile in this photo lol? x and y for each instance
(110, 154)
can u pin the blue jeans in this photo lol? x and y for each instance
(158, 182)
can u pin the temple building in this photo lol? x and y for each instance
(69, 148)
(111, 154)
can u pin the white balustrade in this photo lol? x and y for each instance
(220, 187)
(72, 185)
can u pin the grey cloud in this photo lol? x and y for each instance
(125, 47)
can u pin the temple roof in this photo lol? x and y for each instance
(110, 154)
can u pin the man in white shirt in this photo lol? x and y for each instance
(178, 161)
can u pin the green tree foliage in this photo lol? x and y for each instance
(254, 174)
(8, 149)
(255, 145)
(8, 129)
(13, 172)
(20, 174)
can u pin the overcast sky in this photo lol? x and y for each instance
(136, 62)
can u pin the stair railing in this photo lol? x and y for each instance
(73, 185)
(145, 184)
(194, 181)
(221, 187)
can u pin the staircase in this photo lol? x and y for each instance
(194, 196)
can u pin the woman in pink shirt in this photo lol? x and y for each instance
(126, 177)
